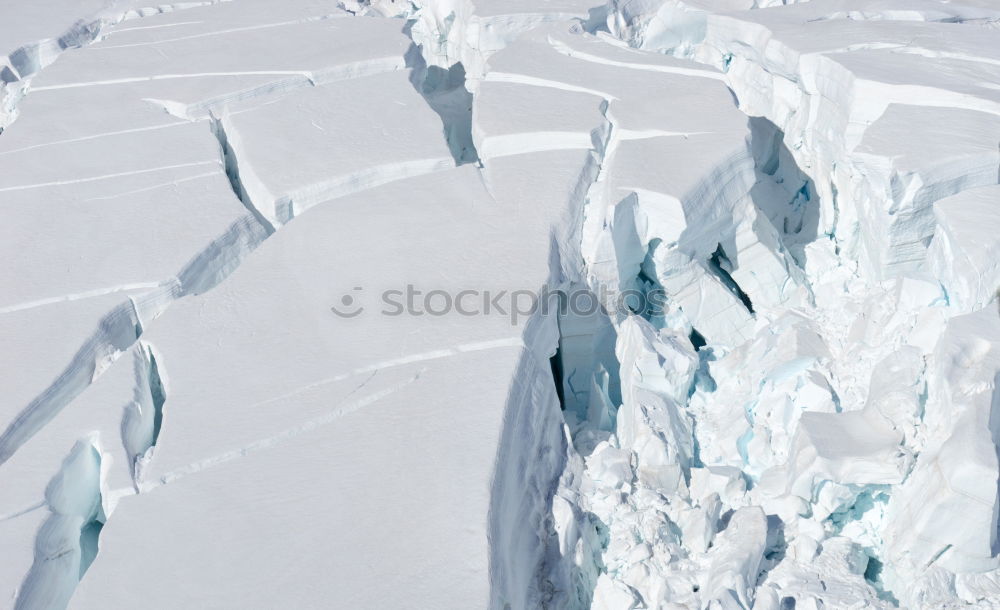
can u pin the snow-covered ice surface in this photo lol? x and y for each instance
(788, 400)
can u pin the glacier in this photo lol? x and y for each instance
(762, 370)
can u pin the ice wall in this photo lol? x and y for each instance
(817, 392)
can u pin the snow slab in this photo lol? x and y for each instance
(216, 395)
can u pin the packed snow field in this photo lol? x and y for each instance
(788, 400)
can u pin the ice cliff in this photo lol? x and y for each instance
(766, 376)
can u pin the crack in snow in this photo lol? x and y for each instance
(107, 176)
(76, 296)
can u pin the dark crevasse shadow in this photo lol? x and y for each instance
(445, 92)
(783, 192)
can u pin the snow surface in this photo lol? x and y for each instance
(796, 406)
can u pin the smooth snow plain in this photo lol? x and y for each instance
(795, 407)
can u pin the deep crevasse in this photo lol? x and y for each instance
(824, 423)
